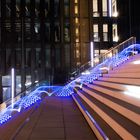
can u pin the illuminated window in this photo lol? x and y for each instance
(114, 8)
(115, 33)
(76, 1)
(95, 8)
(67, 32)
(77, 53)
(77, 31)
(105, 32)
(104, 7)
(76, 20)
(76, 9)
(77, 39)
(95, 33)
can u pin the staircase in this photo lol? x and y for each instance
(113, 102)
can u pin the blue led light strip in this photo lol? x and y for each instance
(91, 118)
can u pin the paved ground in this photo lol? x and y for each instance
(56, 119)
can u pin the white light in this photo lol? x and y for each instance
(116, 39)
(36, 29)
(28, 84)
(4, 89)
(86, 72)
(36, 81)
(91, 54)
(110, 8)
(115, 14)
(104, 68)
(12, 85)
(133, 91)
(132, 94)
(136, 62)
(19, 85)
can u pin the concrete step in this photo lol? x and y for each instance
(129, 112)
(102, 125)
(131, 81)
(115, 94)
(130, 70)
(125, 75)
(121, 125)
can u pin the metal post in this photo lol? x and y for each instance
(12, 85)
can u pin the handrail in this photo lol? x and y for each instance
(133, 39)
(118, 48)
(113, 50)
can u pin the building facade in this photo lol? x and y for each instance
(49, 39)
(42, 40)
(129, 19)
(105, 26)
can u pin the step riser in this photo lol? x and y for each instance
(122, 80)
(123, 111)
(117, 95)
(132, 70)
(110, 85)
(94, 129)
(125, 75)
(113, 124)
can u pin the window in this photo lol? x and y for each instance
(47, 50)
(37, 2)
(8, 9)
(28, 57)
(76, 9)
(104, 8)
(67, 32)
(77, 34)
(76, 1)
(27, 9)
(114, 8)
(77, 50)
(105, 32)
(47, 8)
(56, 8)
(115, 33)
(95, 8)
(37, 30)
(47, 32)
(38, 57)
(57, 32)
(67, 55)
(66, 10)
(95, 33)
(76, 20)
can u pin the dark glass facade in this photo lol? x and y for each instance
(42, 40)
(129, 19)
